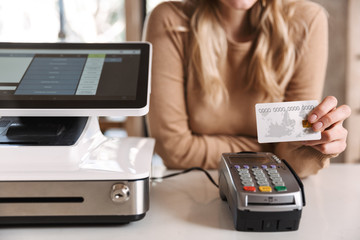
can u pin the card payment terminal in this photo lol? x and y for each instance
(263, 192)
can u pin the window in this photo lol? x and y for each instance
(150, 4)
(62, 20)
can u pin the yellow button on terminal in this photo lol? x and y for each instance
(265, 189)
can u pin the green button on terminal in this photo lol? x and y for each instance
(280, 188)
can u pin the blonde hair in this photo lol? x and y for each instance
(271, 57)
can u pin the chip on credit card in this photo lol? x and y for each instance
(285, 121)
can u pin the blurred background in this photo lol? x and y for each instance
(122, 20)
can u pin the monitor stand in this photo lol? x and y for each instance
(87, 178)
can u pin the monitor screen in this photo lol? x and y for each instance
(74, 79)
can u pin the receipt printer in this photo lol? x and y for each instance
(263, 192)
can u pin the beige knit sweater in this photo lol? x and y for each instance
(189, 131)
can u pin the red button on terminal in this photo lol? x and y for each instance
(249, 189)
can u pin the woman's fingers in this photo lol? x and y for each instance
(335, 133)
(327, 105)
(326, 119)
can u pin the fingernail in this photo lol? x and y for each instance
(317, 126)
(312, 118)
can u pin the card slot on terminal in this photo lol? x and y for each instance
(270, 200)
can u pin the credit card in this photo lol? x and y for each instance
(285, 121)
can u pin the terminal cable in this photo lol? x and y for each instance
(186, 171)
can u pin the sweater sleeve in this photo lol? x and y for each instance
(307, 84)
(168, 123)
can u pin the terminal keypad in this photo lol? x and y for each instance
(264, 178)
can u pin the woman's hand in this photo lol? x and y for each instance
(328, 119)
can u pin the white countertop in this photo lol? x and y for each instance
(188, 207)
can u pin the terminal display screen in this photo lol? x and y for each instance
(69, 75)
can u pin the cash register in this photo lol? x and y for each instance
(56, 166)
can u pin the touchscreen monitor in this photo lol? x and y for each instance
(74, 79)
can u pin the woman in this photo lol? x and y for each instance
(213, 60)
